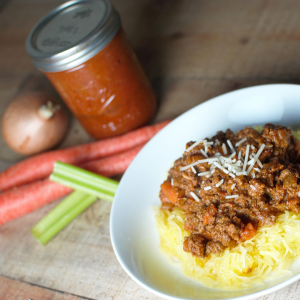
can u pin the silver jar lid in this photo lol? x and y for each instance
(71, 34)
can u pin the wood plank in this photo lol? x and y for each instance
(215, 39)
(17, 290)
(203, 39)
(3, 3)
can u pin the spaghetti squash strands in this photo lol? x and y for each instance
(266, 256)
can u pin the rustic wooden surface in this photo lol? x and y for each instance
(192, 51)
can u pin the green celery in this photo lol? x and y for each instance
(57, 213)
(61, 216)
(84, 181)
(88, 187)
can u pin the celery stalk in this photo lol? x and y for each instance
(57, 213)
(61, 216)
(85, 176)
(84, 181)
(88, 187)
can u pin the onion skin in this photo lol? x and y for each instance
(25, 131)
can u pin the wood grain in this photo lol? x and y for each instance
(192, 51)
(17, 290)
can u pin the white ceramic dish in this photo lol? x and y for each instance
(133, 231)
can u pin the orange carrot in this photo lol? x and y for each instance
(24, 199)
(112, 165)
(248, 232)
(41, 166)
(172, 193)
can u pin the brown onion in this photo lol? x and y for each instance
(33, 123)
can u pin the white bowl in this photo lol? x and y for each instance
(133, 230)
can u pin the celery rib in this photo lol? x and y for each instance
(82, 186)
(61, 216)
(57, 213)
(88, 187)
(88, 182)
(85, 176)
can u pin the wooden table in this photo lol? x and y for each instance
(192, 51)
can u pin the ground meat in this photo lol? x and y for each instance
(195, 244)
(222, 208)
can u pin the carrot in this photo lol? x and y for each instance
(248, 232)
(41, 166)
(24, 199)
(112, 165)
(172, 193)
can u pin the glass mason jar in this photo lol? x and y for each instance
(81, 47)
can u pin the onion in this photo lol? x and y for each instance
(33, 123)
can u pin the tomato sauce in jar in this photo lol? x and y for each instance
(84, 52)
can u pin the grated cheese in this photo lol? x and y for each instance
(239, 163)
(233, 186)
(201, 150)
(220, 167)
(230, 146)
(207, 188)
(226, 164)
(195, 196)
(208, 160)
(259, 163)
(232, 196)
(232, 155)
(204, 173)
(241, 173)
(246, 158)
(256, 157)
(241, 141)
(251, 161)
(220, 182)
(194, 145)
(194, 170)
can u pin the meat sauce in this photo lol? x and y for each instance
(231, 184)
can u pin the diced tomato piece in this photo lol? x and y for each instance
(248, 232)
(209, 214)
(172, 193)
(206, 218)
